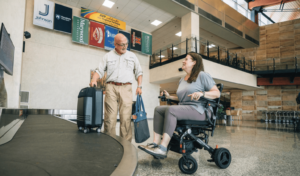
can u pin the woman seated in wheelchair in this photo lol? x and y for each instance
(194, 85)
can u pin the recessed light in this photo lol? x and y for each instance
(211, 45)
(162, 56)
(156, 22)
(108, 3)
(178, 34)
(174, 48)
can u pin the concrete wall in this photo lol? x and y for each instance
(222, 74)
(12, 15)
(55, 68)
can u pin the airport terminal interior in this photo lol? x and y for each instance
(50, 51)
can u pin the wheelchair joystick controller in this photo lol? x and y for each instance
(163, 97)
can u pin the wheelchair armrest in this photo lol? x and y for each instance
(163, 98)
(172, 101)
(212, 102)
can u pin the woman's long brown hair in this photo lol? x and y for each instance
(198, 67)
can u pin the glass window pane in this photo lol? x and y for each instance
(243, 3)
(264, 19)
(230, 3)
(242, 11)
(261, 23)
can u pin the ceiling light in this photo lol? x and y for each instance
(178, 34)
(162, 56)
(108, 3)
(174, 48)
(211, 45)
(156, 22)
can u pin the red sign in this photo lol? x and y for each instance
(97, 34)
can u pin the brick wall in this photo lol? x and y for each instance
(280, 41)
(271, 98)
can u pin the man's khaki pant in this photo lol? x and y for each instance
(118, 97)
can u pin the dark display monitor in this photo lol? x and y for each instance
(7, 50)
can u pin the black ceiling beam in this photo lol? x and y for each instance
(267, 17)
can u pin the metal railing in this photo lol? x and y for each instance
(207, 49)
(219, 54)
(276, 64)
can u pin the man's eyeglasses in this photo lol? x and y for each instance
(122, 44)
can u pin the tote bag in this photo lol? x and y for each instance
(141, 129)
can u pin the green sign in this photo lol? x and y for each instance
(146, 43)
(80, 31)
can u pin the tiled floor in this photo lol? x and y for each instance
(256, 149)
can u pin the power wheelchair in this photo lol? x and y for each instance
(191, 135)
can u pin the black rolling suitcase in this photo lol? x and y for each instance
(90, 109)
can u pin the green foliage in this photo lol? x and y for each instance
(220, 112)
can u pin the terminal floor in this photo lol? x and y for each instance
(256, 149)
(47, 145)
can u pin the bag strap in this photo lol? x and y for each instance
(137, 104)
(142, 103)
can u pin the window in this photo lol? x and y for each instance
(239, 5)
(263, 20)
(242, 11)
(231, 3)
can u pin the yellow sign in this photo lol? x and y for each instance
(92, 15)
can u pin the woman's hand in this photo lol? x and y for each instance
(195, 95)
(166, 94)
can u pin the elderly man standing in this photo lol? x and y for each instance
(121, 67)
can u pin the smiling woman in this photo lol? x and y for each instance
(194, 85)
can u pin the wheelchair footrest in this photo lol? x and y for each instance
(211, 160)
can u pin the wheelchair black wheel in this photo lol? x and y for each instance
(222, 158)
(188, 165)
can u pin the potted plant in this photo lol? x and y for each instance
(221, 113)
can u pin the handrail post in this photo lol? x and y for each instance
(273, 65)
(227, 62)
(186, 47)
(244, 64)
(296, 64)
(160, 57)
(251, 65)
(196, 44)
(219, 54)
(207, 48)
(236, 60)
(172, 50)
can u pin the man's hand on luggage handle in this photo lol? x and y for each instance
(92, 83)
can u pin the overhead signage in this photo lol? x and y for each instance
(136, 40)
(43, 13)
(127, 35)
(102, 18)
(146, 43)
(97, 34)
(110, 34)
(63, 18)
(80, 33)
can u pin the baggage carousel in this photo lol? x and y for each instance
(48, 145)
